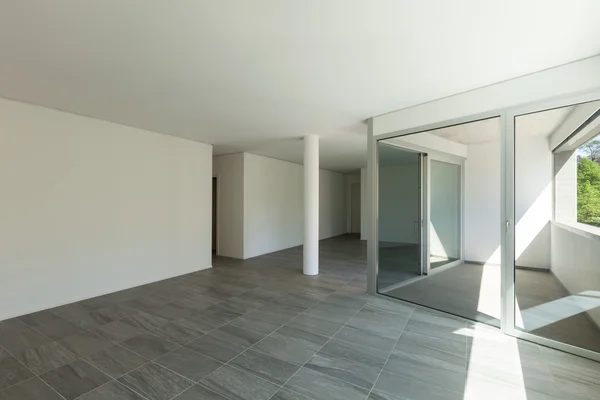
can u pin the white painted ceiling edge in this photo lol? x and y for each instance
(577, 77)
(257, 76)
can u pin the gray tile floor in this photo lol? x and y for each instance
(259, 329)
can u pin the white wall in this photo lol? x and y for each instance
(229, 170)
(91, 207)
(398, 203)
(575, 256)
(351, 179)
(273, 205)
(575, 77)
(274, 209)
(445, 209)
(332, 204)
(533, 202)
(482, 203)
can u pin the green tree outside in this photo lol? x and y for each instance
(588, 192)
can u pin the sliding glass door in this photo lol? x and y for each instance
(399, 228)
(555, 266)
(445, 214)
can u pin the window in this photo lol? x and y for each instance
(576, 143)
(588, 182)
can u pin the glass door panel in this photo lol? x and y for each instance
(557, 224)
(469, 284)
(445, 213)
(399, 216)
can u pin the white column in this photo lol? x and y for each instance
(311, 205)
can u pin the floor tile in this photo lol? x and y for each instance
(390, 305)
(371, 318)
(196, 302)
(392, 386)
(170, 312)
(269, 368)
(113, 391)
(74, 379)
(331, 313)
(300, 337)
(411, 340)
(356, 353)
(287, 394)
(31, 389)
(145, 321)
(274, 313)
(11, 370)
(199, 322)
(189, 363)
(235, 334)
(85, 343)
(255, 324)
(319, 386)
(46, 357)
(118, 331)
(199, 392)
(352, 372)
(16, 336)
(81, 316)
(97, 302)
(216, 348)
(155, 382)
(50, 325)
(431, 354)
(284, 350)
(441, 373)
(176, 333)
(116, 361)
(238, 385)
(315, 325)
(436, 325)
(149, 346)
(377, 339)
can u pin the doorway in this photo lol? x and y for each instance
(355, 205)
(214, 214)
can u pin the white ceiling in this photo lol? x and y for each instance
(257, 75)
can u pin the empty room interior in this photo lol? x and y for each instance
(278, 200)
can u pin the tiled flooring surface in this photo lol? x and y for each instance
(259, 329)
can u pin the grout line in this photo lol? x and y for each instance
(391, 352)
(284, 278)
(34, 374)
(303, 365)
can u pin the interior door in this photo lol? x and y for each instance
(400, 216)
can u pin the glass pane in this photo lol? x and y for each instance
(399, 210)
(445, 213)
(557, 213)
(469, 287)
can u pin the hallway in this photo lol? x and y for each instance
(259, 329)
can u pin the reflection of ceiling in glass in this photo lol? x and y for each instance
(483, 131)
(391, 155)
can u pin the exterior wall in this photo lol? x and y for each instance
(575, 256)
(91, 207)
